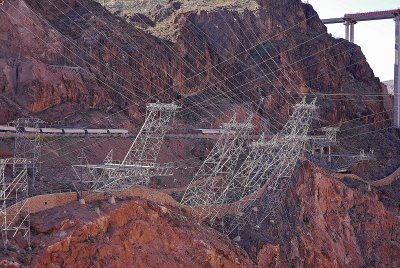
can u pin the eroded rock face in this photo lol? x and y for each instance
(38, 87)
(329, 224)
(76, 62)
(132, 233)
(246, 49)
(325, 224)
(272, 49)
(55, 64)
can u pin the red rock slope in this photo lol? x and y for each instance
(328, 224)
(132, 233)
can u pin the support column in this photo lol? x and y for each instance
(329, 152)
(352, 31)
(347, 31)
(396, 110)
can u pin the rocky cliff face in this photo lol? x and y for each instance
(132, 233)
(76, 54)
(72, 60)
(271, 49)
(326, 223)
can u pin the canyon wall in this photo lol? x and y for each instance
(66, 57)
(76, 62)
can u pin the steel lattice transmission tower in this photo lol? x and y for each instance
(207, 186)
(27, 146)
(139, 164)
(14, 214)
(146, 147)
(257, 189)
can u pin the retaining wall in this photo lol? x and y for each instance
(43, 202)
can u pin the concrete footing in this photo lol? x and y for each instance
(111, 200)
(97, 210)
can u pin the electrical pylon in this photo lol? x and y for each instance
(27, 146)
(267, 170)
(14, 193)
(207, 186)
(139, 164)
(146, 147)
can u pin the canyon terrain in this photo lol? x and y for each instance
(77, 63)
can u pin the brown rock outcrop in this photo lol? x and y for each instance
(74, 58)
(326, 224)
(198, 47)
(332, 225)
(132, 233)
(74, 61)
